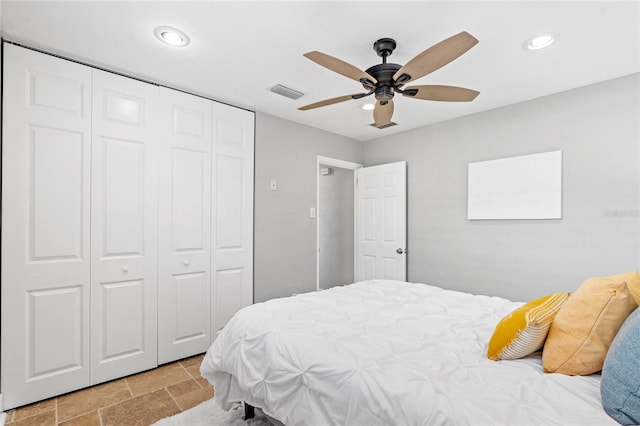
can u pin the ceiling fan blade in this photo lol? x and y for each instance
(441, 93)
(382, 113)
(436, 56)
(339, 66)
(331, 101)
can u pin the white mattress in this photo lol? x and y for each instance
(389, 353)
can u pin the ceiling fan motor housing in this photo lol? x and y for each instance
(385, 86)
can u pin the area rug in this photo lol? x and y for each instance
(209, 413)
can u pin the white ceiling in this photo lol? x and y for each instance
(240, 49)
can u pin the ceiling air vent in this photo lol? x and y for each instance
(285, 91)
(383, 126)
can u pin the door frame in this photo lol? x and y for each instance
(342, 164)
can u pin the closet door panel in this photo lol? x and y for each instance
(124, 227)
(63, 353)
(229, 293)
(56, 227)
(122, 309)
(232, 254)
(45, 226)
(185, 216)
(190, 171)
(230, 223)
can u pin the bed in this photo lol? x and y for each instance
(384, 352)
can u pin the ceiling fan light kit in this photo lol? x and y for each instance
(386, 79)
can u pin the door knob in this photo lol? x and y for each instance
(185, 262)
(125, 268)
(400, 251)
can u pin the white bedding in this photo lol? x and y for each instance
(389, 353)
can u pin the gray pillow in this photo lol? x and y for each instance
(620, 384)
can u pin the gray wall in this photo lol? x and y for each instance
(284, 234)
(597, 129)
(336, 228)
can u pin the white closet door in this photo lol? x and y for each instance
(232, 243)
(184, 281)
(46, 157)
(124, 227)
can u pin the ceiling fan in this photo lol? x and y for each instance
(386, 79)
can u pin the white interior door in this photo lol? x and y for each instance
(184, 281)
(232, 213)
(46, 156)
(124, 227)
(381, 236)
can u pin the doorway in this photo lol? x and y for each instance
(336, 217)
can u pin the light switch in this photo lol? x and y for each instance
(312, 212)
(274, 185)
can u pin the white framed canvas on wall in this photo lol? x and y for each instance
(524, 187)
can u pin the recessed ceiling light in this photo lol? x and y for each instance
(539, 42)
(172, 36)
(368, 107)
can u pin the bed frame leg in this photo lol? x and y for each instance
(249, 411)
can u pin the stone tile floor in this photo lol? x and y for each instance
(138, 400)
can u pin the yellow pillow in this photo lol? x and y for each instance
(585, 326)
(633, 283)
(524, 330)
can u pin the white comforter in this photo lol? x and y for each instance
(389, 353)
